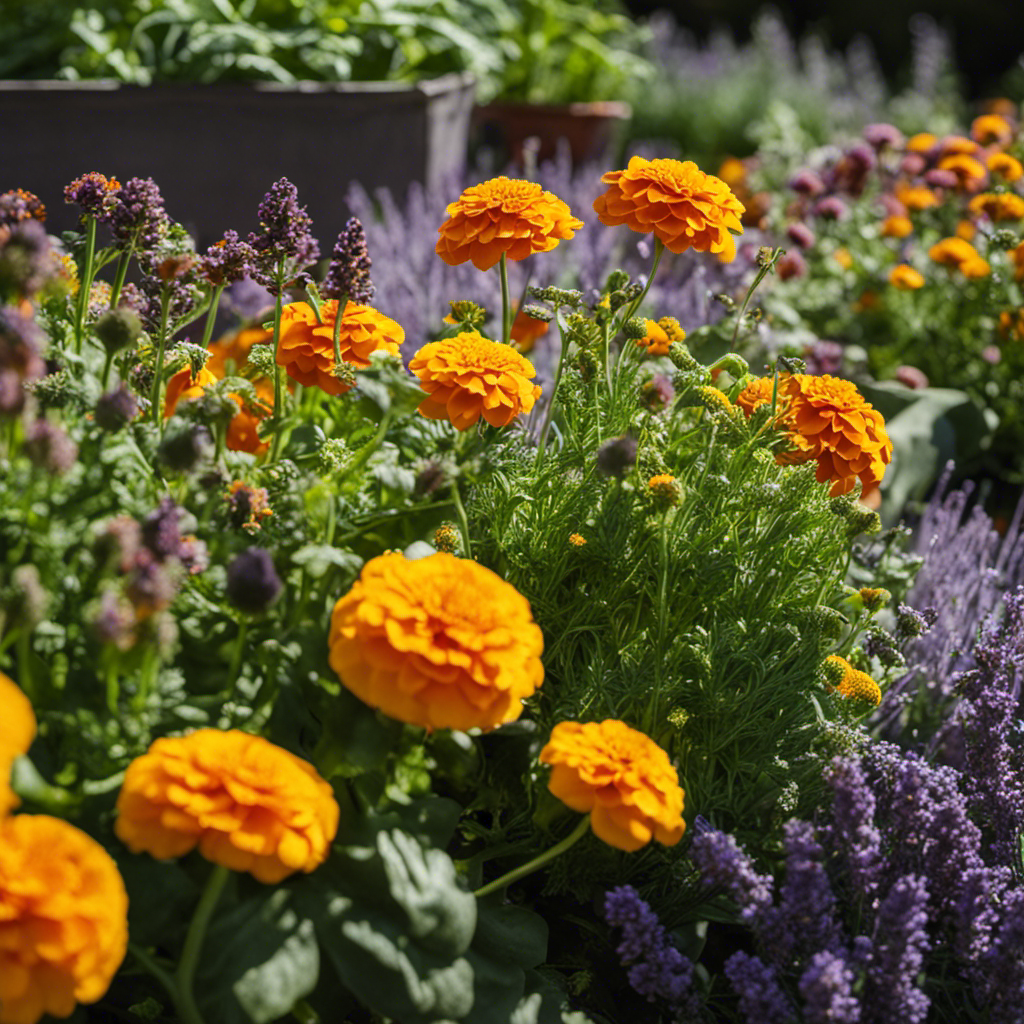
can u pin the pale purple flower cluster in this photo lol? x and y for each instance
(724, 865)
(349, 272)
(161, 534)
(17, 205)
(26, 258)
(227, 261)
(657, 970)
(284, 245)
(137, 217)
(94, 193)
(20, 358)
(761, 998)
(826, 988)
(48, 446)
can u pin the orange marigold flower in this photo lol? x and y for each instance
(1007, 167)
(991, 129)
(503, 216)
(526, 330)
(665, 489)
(577, 540)
(852, 683)
(246, 803)
(63, 918)
(953, 252)
(306, 346)
(656, 341)
(897, 227)
(231, 351)
(966, 230)
(439, 642)
(621, 777)
(683, 206)
(17, 730)
(997, 205)
(915, 197)
(843, 258)
(906, 278)
(970, 172)
(922, 142)
(757, 393)
(185, 385)
(733, 172)
(832, 424)
(1017, 258)
(468, 376)
(956, 145)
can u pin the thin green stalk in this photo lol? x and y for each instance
(85, 281)
(108, 362)
(460, 511)
(607, 355)
(339, 316)
(506, 302)
(186, 972)
(236, 656)
(164, 977)
(766, 266)
(158, 379)
(652, 711)
(211, 314)
(538, 862)
(548, 412)
(275, 419)
(659, 248)
(122, 270)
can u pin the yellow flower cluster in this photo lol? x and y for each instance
(852, 683)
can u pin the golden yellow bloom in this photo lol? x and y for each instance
(503, 215)
(975, 268)
(970, 173)
(1005, 166)
(897, 227)
(63, 919)
(991, 129)
(468, 376)
(906, 278)
(958, 145)
(17, 730)
(733, 172)
(683, 206)
(997, 205)
(854, 684)
(843, 258)
(246, 803)
(953, 252)
(439, 642)
(915, 197)
(758, 392)
(830, 423)
(665, 489)
(577, 540)
(656, 340)
(526, 331)
(621, 777)
(306, 347)
(922, 142)
(966, 230)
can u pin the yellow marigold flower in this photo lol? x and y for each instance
(975, 268)
(874, 598)
(897, 227)
(656, 341)
(1017, 258)
(758, 392)
(17, 730)
(526, 331)
(843, 258)
(970, 172)
(957, 145)
(1005, 166)
(683, 206)
(733, 172)
(503, 215)
(991, 129)
(854, 684)
(440, 642)
(185, 385)
(306, 347)
(997, 205)
(832, 424)
(915, 197)
(673, 328)
(966, 230)
(468, 376)
(621, 777)
(665, 490)
(63, 919)
(906, 278)
(577, 540)
(246, 803)
(922, 142)
(952, 252)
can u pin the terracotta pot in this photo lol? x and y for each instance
(590, 129)
(214, 150)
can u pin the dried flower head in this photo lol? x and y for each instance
(439, 642)
(306, 347)
(244, 802)
(621, 777)
(17, 730)
(503, 216)
(468, 376)
(65, 918)
(683, 206)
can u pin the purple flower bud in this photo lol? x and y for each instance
(152, 586)
(618, 456)
(161, 530)
(94, 193)
(116, 410)
(253, 584)
(801, 234)
(941, 179)
(227, 261)
(807, 182)
(138, 216)
(791, 265)
(48, 447)
(657, 393)
(285, 245)
(893, 207)
(881, 135)
(26, 261)
(911, 377)
(913, 164)
(830, 208)
(349, 272)
(861, 157)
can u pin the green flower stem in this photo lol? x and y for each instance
(652, 709)
(236, 656)
(108, 362)
(150, 964)
(606, 354)
(538, 862)
(122, 270)
(211, 315)
(460, 511)
(506, 302)
(549, 411)
(766, 267)
(194, 943)
(659, 248)
(85, 281)
(161, 345)
(275, 419)
(339, 316)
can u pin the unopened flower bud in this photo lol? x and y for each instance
(446, 538)
(617, 457)
(184, 447)
(252, 583)
(115, 410)
(118, 329)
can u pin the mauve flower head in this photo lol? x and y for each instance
(861, 156)
(138, 216)
(27, 601)
(185, 446)
(881, 135)
(911, 377)
(913, 164)
(807, 182)
(115, 410)
(992, 354)
(95, 193)
(830, 208)
(248, 300)
(349, 272)
(113, 620)
(26, 259)
(801, 234)
(761, 998)
(827, 990)
(791, 265)
(657, 393)
(227, 261)
(253, 584)
(617, 456)
(17, 205)
(119, 540)
(152, 584)
(284, 246)
(49, 447)
(939, 178)
(892, 206)
(824, 357)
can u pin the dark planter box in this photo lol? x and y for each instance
(215, 150)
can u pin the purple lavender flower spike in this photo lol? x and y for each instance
(284, 239)
(762, 1000)
(138, 216)
(349, 272)
(227, 261)
(827, 990)
(724, 865)
(854, 829)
